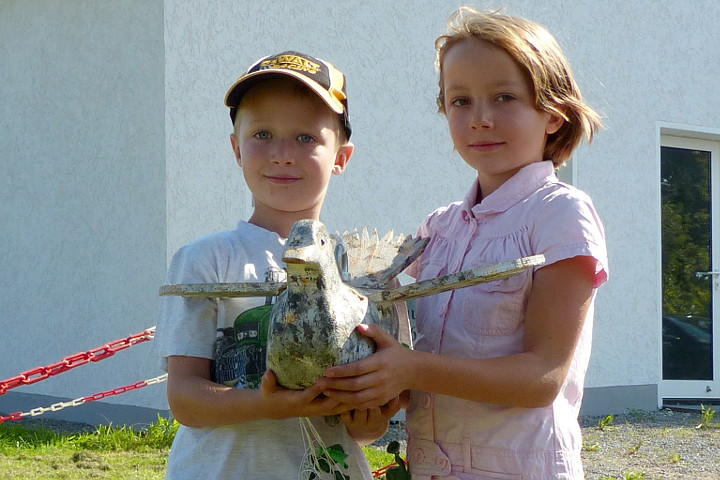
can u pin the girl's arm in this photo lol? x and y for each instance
(367, 425)
(558, 303)
(197, 401)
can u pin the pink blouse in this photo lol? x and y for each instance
(451, 438)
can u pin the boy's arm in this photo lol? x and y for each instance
(558, 303)
(197, 401)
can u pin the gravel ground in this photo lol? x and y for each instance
(661, 445)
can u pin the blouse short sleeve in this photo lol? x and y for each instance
(568, 226)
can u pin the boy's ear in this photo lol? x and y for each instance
(342, 158)
(236, 148)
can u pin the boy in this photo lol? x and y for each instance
(291, 133)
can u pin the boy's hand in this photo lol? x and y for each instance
(367, 425)
(372, 381)
(285, 403)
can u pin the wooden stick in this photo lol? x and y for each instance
(223, 290)
(453, 281)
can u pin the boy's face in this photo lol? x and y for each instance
(287, 144)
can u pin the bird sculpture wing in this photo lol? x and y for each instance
(373, 261)
(366, 262)
(453, 281)
(224, 290)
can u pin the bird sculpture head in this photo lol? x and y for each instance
(310, 255)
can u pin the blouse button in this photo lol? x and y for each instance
(441, 462)
(418, 455)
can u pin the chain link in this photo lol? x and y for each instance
(95, 355)
(79, 401)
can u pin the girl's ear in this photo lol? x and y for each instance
(236, 148)
(342, 158)
(554, 123)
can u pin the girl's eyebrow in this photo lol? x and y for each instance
(498, 84)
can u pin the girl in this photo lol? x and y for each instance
(496, 377)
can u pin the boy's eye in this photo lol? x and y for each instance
(459, 102)
(262, 135)
(305, 138)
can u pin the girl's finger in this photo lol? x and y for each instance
(376, 332)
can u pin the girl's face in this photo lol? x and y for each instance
(490, 108)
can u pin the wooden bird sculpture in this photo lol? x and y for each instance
(312, 325)
(334, 284)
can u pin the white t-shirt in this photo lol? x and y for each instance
(268, 449)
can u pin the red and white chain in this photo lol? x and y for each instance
(95, 355)
(79, 401)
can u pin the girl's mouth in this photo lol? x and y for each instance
(486, 146)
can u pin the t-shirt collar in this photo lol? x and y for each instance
(527, 180)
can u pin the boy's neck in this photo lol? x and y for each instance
(281, 223)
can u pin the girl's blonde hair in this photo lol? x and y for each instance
(538, 53)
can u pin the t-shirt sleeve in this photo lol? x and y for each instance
(186, 326)
(568, 227)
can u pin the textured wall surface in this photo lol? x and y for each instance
(82, 199)
(638, 63)
(97, 140)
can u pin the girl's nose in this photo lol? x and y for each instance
(481, 118)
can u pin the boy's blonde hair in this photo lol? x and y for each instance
(537, 52)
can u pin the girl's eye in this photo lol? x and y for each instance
(305, 138)
(505, 98)
(459, 102)
(262, 135)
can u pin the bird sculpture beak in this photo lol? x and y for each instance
(296, 254)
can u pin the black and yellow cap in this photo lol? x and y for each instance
(320, 76)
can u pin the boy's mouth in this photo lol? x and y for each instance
(282, 179)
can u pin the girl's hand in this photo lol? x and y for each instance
(285, 403)
(367, 425)
(372, 381)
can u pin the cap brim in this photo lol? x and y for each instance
(239, 88)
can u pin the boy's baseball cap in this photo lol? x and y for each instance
(320, 76)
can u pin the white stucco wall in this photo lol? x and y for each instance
(87, 157)
(82, 185)
(637, 62)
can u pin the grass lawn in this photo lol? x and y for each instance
(108, 453)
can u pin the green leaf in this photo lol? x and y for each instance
(337, 453)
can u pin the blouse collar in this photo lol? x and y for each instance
(526, 181)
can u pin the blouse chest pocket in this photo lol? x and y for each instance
(496, 308)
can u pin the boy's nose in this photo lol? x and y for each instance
(283, 160)
(283, 153)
